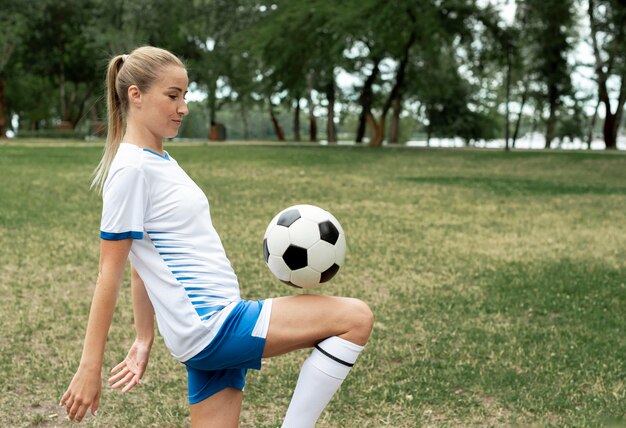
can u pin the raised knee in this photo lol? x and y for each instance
(362, 318)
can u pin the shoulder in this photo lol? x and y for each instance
(126, 169)
(128, 155)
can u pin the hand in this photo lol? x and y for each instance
(129, 372)
(83, 394)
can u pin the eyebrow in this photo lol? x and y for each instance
(177, 89)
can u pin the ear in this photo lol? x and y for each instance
(134, 96)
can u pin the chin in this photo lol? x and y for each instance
(170, 135)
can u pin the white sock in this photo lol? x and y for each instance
(320, 377)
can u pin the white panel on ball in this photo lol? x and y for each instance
(304, 233)
(278, 240)
(306, 277)
(279, 268)
(313, 213)
(321, 256)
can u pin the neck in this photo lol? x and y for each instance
(143, 138)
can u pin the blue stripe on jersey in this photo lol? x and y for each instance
(122, 235)
(178, 272)
(173, 266)
(208, 310)
(196, 282)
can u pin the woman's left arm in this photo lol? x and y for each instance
(129, 372)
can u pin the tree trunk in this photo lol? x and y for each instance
(396, 91)
(519, 117)
(62, 82)
(619, 111)
(394, 128)
(331, 132)
(366, 99)
(277, 129)
(244, 120)
(592, 126)
(312, 120)
(3, 110)
(296, 121)
(81, 107)
(507, 119)
(212, 104)
(611, 120)
(377, 130)
(610, 139)
(553, 98)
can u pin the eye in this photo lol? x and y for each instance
(173, 97)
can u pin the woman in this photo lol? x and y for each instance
(154, 214)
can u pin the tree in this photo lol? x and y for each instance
(549, 25)
(298, 48)
(14, 24)
(61, 46)
(608, 38)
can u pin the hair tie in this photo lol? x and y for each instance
(124, 57)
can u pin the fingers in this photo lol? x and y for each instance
(134, 381)
(124, 380)
(95, 405)
(65, 398)
(80, 413)
(119, 375)
(68, 403)
(120, 366)
(77, 410)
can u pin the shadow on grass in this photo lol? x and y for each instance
(519, 186)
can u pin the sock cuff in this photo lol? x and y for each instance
(340, 350)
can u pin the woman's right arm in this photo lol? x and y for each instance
(85, 388)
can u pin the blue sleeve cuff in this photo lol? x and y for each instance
(119, 236)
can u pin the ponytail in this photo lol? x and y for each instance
(115, 121)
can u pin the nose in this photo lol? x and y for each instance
(183, 110)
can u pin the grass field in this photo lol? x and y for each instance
(498, 281)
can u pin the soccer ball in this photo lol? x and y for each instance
(304, 246)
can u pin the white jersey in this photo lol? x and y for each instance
(175, 249)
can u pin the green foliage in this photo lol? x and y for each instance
(447, 62)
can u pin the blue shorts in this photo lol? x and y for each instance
(237, 347)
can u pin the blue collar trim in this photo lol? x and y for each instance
(166, 156)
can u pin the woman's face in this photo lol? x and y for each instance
(163, 105)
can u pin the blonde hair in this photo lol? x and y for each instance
(141, 68)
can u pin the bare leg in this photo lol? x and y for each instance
(305, 320)
(220, 410)
(338, 328)
(296, 322)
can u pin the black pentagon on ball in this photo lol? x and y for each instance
(328, 232)
(266, 251)
(329, 273)
(288, 217)
(295, 257)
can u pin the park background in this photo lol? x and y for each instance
(485, 73)
(497, 277)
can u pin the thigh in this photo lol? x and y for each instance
(302, 321)
(220, 410)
